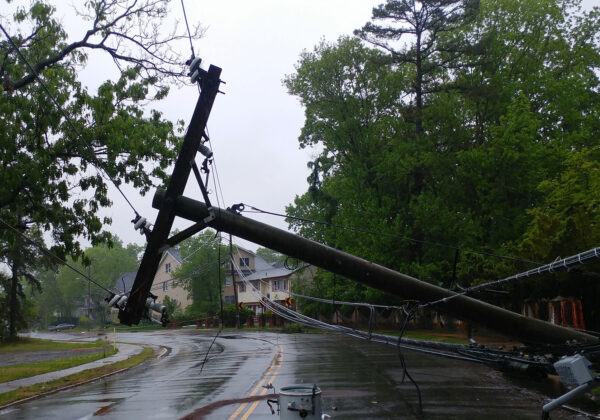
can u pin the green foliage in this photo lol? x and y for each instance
(64, 291)
(229, 315)
(270, 256)
(173, 307)
(202, 273)
(294, 328)
(504, 161)
(56, 172)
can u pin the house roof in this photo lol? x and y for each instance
(124, 282)
(174, 252)
(265, 270)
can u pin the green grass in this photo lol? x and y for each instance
(26, 370)
(35, 344)
(77, 378)
(433, 337)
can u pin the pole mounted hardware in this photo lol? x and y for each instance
(158, 239)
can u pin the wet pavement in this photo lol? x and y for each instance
(359, 380)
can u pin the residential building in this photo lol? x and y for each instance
(270, 280)
(165, 284)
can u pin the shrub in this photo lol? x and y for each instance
(229, 315)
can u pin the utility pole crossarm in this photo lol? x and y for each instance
(528, 330)
(158, 238)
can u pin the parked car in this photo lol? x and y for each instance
(59, 327)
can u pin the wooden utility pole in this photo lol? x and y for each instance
(528, 330)
(158, 239)
(235, 291)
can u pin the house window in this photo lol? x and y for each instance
(281, 284)
(165, 286)
(244, 262)
(241, 287)
(167, 267)
(229, 300)
(227, 281)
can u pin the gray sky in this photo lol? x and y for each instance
(253, 127)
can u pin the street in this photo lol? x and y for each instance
(359, 380)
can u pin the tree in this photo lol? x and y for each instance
(503, 131)
(173, 307)
(424, 22)
(71, 155)
(269, 255)
(23, 259)
(66, 290)
(201, 272)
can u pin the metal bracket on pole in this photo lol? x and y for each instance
(158, 238)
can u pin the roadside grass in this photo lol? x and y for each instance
(438, 338)
(77, 378)
(26, 370)
(36, 344)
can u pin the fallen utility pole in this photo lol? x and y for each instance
(527, 330)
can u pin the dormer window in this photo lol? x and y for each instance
(245, 262)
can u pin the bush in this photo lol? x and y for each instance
(229, 315)
(293, 328)
(84, 322)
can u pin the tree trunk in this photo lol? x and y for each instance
(13, 298)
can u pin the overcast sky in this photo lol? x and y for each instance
(253, 127)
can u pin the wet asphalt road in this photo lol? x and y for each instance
(359, 381)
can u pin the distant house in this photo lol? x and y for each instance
(125, 282)
(272, 280)
(165, 284)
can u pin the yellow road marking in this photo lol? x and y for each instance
(276, 360)
(264, 391)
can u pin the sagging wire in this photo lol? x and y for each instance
(97, 162)
(438, 349)
(198, 249)
(471, 353)
(409, 314)
(221, 303)
(390, 235)
(340, 302)
(564, 263)
(216, 178)
(51, 255)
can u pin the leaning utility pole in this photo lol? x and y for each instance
(235, 290)
(528, 330)
(158, 238)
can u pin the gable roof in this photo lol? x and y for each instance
(124, 282)
(173, 252)
(264, 270)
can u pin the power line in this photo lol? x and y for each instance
(93, 158)
(390, 235)
(565, 263)
(50, 254)
(188, 28)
